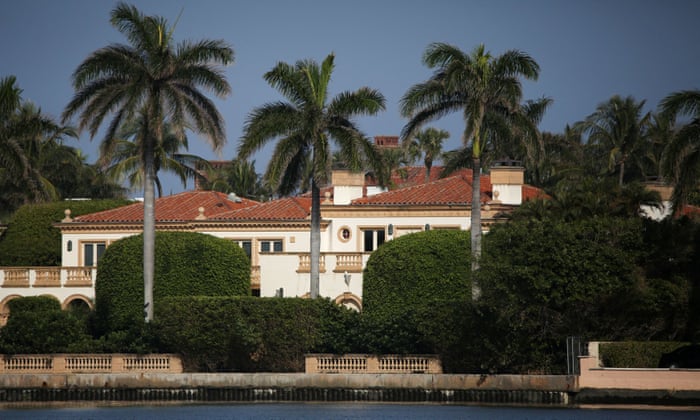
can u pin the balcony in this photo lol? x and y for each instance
(47, 277)
(305, 263)
(343, 263)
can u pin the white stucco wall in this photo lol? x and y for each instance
(657, 213)
(508, 193)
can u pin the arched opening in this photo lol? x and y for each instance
(5, 310)
(77, 304)
(350, 301)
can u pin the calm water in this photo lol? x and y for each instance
(337, 411)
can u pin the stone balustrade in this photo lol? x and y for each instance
(305, 263)
(351, 263)
(45, 277)
(364, 363)
(90, 363)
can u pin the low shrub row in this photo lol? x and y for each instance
(248, 334)
(635, 354)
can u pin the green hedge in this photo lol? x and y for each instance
(186, 264)
(38, 325)
(32, 240)
(416, 290)
(249, 334)
(416, 270)
(636, 354)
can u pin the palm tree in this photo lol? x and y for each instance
(304, 126)
(29, 140)
(237, 176)
(659, 134)
(427, 143)
(152, 76)
(123, 157)
(485, 89)
(562, 156)
(13, 162)
(618, 128)
(681, 161)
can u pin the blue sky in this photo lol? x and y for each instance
(588, 50)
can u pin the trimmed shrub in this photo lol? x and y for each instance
(186, 264)
(248, 334)
(38, 325)
(32, 240)
(417, 270)
(410, 281)
(636, 354)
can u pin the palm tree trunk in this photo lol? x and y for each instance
(622, 171)
(149, 232)
(315, 238)
(475, 227)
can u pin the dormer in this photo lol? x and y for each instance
(507, 178)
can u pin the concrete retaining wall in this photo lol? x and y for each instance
(272, 387)
(291, 380)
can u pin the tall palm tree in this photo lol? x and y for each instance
(681, 161)
(485, 89)
(427, 143)
(162, 80)
(618, 128)
(304, 127)
(123, 156)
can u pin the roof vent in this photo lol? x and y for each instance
(233, 197)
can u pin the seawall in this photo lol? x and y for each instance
(222, 387)
(553, 390)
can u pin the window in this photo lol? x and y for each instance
(271, 245)
(344, 234)
(372, 239)
(92, 252)
(247, 246)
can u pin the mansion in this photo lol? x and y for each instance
(357, 216)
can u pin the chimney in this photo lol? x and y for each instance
(507, 178)
(347, 185)
(386, 142)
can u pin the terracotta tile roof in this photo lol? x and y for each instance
(413, 175)
(533, 193)
(289, 208)
(454, 190)
(690, 211)
(174, 208)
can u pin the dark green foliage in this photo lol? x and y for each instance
(32, 240)
(417, 270)
(544, 281)
(249, 334)
(416, 293)
(636, 354)
(186, 264)
(38, 325)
